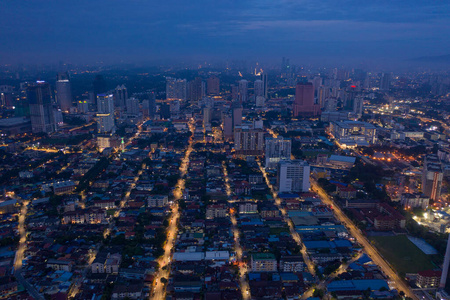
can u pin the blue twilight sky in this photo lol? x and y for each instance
(304, 30)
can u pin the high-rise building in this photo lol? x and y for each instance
(105, 113)
(120, 96)
(445, 266)
(304, 100)
(243, 91)
(213, 85)
(237, 115)
(432, 176)
(151, 104)
(293, 176)
(176, 88)
(358, 106)
(99, 85)
(265, 80)
(83, 106)
(39, 98)
(248, 140)
(234, 92)
(259, 88)
(63, 91)
(132, 106)
(206, 116)
(195, 90)
(228, 127)
(277, 149)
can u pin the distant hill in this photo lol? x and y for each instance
(435, 59)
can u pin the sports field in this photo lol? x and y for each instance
(402, 254)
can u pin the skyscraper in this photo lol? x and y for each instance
(446, 265)
(195, 90)
(105, 113)
(132, 106)
(293, 176)
(432, 176)
(176, 88)
(265, 80)
(248, 140)
(213, 85)
(277, 149)
(259, 88)
(120, 96)
(243, 91)
(63, 91)
(358, 106)
(41, 109)
(304, 100)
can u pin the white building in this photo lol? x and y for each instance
(157, 200)
(105, 113)
(293, 176)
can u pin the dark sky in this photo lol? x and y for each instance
(144, 30)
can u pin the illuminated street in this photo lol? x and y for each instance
(294, 234)
(159, 290)
(396, 281)
(243, 269)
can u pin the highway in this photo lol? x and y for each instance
(243, 268)
(294, 234)
(397, 282)
(159, 291)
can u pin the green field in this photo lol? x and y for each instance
(402, 254)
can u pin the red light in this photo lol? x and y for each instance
(353, 86)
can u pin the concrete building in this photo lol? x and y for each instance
(213, 85)
(243, 91)
(248, 140)
(293, 176)
(41, 108)
(350, 134)
(120, 96)
(432, 176)
(105, 113)
(63, 91)
(176, 89)
(263, 262)
(304, 100)
(277, 149)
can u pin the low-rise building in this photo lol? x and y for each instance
(263, 262)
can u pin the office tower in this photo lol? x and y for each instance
(265, 81)
(228, 127)
(317, 83)
(237, 115)
(385, 82)
(176, 88)
(304, 100)
(445, 266)
(83, 106)
(293, 176)
(132, 106)
(259, 88)
(58, 117)
(432, 176)
(63, 91)
(39, 98)
(277, 149)
(99, 85)
(195, 91)
(105, 113)
(248, 141)
(260, 101)
(243, 91)
(358, 106)
(120, 96)
(206, 116)
(213, 87)
(234, 92)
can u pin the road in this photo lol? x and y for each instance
(398, 283)
(294, 234)
(159, 291)
(20, 253)
(243, 268)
